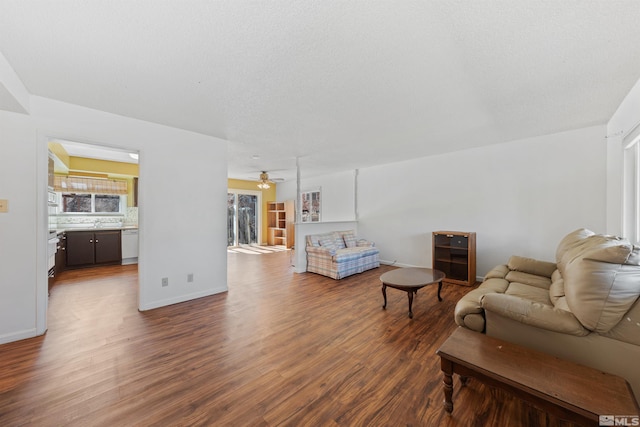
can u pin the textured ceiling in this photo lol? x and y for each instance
(340, 84)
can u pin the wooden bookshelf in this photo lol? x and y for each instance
(454, 253)
(280, 221)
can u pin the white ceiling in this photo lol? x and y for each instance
(340, 84)
(91, 151)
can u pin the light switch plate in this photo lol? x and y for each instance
(4, 205)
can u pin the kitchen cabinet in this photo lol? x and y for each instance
(85, 248)
(61, 254)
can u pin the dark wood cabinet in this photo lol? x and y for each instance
(108, 247)
(454, 253)
(93, 247)
(61, 254)
(80, 248)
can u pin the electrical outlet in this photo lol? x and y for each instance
(190, 277)
(165, 281)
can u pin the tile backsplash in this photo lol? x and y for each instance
(130, 218)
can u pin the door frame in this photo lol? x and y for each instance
(258, 213)
(42, 215)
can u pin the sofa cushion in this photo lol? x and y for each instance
(579, 246)
(531, 266)
(532, 293)
(561, 304)
(497, 272)
(328, 242)
(556, 291)
(338, 239)
(349, 254)
(533, 313)
(349, 239)
(603, 282)
(570, 241)
(529, 279)
(314, 239)
(628, 330)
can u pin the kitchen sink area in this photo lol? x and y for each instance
(89, 240)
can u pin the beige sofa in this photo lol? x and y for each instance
(585, 307)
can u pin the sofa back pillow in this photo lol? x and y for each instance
(603, 282)
(314, 239)
(339, 239)
(328, 242)
(571, 246)
(531, 266)
(349, 239)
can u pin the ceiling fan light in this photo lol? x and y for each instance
(264, 181)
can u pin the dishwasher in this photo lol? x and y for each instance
(129, 246)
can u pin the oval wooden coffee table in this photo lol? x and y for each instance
(410, 279)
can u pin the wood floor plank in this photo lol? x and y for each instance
(278, 348)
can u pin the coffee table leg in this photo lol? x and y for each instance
(439, 289)
(410, 295)
(447, 383)
(384, 294)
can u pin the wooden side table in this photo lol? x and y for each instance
(567, 390)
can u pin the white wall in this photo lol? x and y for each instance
(18, 247)
(337, 196)
(182, 214)
(519, 197)
(337, 211)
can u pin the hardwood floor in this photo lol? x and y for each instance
(278, 348)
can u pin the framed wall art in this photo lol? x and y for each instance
(310, 206)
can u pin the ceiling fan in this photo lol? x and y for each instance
(264, 181)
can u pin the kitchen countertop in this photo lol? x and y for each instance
(61, 230)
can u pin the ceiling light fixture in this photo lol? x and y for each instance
(264, 181)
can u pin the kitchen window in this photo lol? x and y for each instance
(92, 203)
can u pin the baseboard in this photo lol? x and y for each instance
(17, 336)
(399, 264)
(181, 298)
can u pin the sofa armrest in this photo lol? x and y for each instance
(533, 313)
(497, 272)
(364, 243)
(469, 312)
(321, 251)
(531, 266)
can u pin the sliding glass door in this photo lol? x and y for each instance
(243, 217)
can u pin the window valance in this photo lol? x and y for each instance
(77, 184)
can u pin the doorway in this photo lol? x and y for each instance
(243, 217)
(92, 197)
